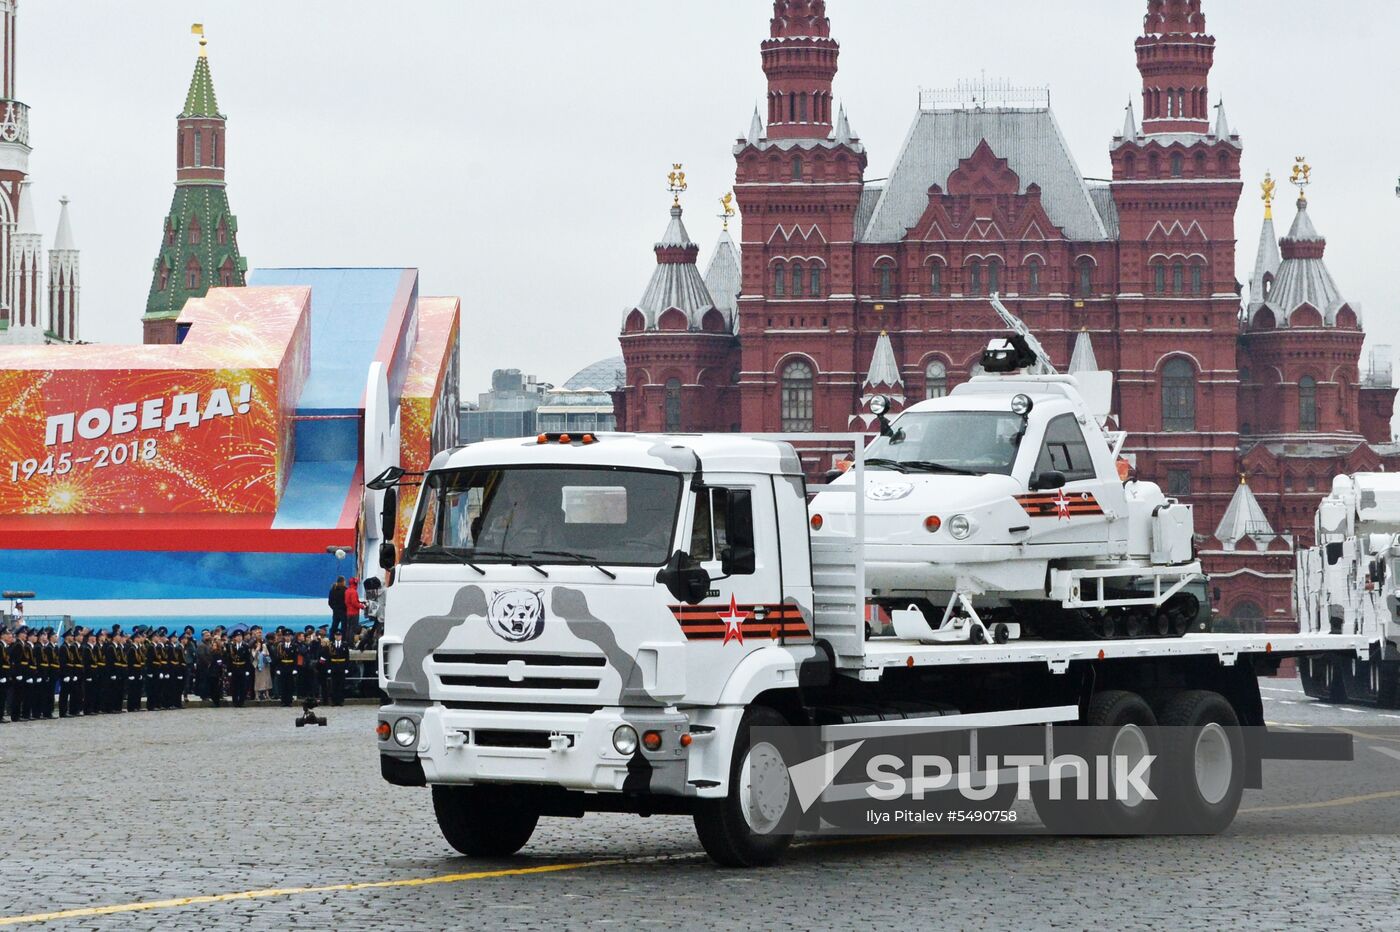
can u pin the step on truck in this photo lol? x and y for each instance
(604, 623)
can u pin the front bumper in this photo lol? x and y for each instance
(570, 750)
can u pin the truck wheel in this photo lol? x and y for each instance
(1203, 760)
(484, 821)
(1321, 680)
(1388, 695)
(754, 824)
(1123, 727)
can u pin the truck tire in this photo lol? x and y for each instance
(1123, 726)
(1203, 761)
(485, 821)
(1320, 679)
(1388, 696)
(754, 824)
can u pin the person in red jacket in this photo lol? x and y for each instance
(352, 608)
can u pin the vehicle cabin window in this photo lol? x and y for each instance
(1065, 451)
(713, 532)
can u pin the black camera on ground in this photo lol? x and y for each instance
(308, 714)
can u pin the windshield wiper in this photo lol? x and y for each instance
(880, 463)
(514, 559)
(928, 466)
(447, 552)
(581, 557)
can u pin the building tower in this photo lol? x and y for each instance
(1176, 185)
(678, 343)
(799, 58)
(199, 248)
(27, 275)
(14, 163)
(64, 280)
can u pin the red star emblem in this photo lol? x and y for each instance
(733, 622)
(1062, 506)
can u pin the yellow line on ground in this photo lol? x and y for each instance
(1328, 803)
(294, 891)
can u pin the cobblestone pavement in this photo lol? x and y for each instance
(158, 806)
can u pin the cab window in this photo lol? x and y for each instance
(1065, 450)
(723, 519)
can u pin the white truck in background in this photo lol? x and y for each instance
(604, 623)
(1346, 584)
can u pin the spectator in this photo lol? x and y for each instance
(352, 609)
(336, 600)
(262, 667)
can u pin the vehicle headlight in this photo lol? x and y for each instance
(1021, 405)
(961, 527)
(879, 405)
(625, 739)
(405, 732)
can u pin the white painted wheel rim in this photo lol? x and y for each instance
(1214, 763)
(764, 789)
(1130, 746)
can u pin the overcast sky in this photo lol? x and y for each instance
(515, 152)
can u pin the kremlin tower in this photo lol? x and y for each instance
(199, 248)
(29, 314)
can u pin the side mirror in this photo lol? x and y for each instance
(389, 518)
(1334, 553)
(388, 555)
(685, 581)
(738, 561)
(1048, 480)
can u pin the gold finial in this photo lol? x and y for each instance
(727, 210)
(675, 183)
(1267, 186)
(1302, 177)
(1243, 481)
(197, 29)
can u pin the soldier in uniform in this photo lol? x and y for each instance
(215, 665)
(114, 653)
(7, 676)
(94, 701)
(69, 674)
(135, 670)
(87, 650)
(337, 659)
(284, 659)
(28, 674)
(47, 655)
(240, 665)
(160, 667)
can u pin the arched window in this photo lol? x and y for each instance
(198, 149)
(1129, 166)
(797, 168)
(886, 274)
(974, 277)
(164, 275)
(816, 281)
(1154, 165)
(1200, 163)
(214, 149)
(1178, 395)
(673, 405)
(169, 233)
(799, 279)
(1033, 277)
(221, 232)
(1198, 275)
(796, 397)
(935, 380)
(226, 273)
(1307, 403)
(935, 278)
(1177, 163)
(802, 107)
(1159, 278)
(196, 234)
(192, 274)
(779, 280)
(1178, 278)
(1246, 618)
(792, 107)
(1085, 268)
(993, 276)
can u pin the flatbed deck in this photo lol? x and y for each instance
(884, 652)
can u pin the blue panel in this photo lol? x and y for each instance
(349, 312)
(315, 493)
(177, 623)
(324, 440)
(117, 574)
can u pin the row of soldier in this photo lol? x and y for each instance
(87, 672)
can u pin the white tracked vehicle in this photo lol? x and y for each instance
(1004, 508)
(1346, 584)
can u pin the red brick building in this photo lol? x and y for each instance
(845, 284)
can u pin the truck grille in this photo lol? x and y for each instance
(487, 670)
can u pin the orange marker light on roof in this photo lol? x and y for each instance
(589, 438)
(1125, 470)
(816, 522)
(564, 438)
(542, 439)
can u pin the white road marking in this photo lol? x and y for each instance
(1388, 752)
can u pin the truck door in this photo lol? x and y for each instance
(1078, 512)
(734, 537)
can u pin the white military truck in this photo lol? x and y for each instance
(604, 623)
(1346, 584)
(1004, 506)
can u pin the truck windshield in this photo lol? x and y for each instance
(546, 514)
(973, 443)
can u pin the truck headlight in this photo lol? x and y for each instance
(961, 527)
(625, 739)
(405, 732)
(1021, 405)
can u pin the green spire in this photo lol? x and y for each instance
(200, 101)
